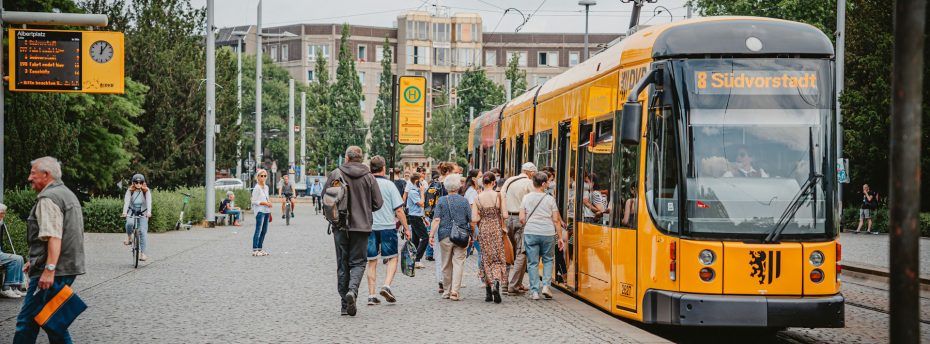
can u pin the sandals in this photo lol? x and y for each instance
(260, 253)
(454, 296)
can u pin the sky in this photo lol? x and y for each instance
(607, 16)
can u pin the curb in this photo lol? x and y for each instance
(877, 273)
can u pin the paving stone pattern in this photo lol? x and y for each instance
(874, 250)
(203, 286)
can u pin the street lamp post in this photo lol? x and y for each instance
(258, 80)
(587, 8)
(211, 119)
(239, 35)
(290, 129)
(303, 135)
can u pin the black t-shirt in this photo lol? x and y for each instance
(401, 186)
(223, 205)
(866, 204)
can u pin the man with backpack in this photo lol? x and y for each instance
(351, 195)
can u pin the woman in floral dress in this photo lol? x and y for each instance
(486, 214)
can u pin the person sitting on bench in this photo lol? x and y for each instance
(228, 207)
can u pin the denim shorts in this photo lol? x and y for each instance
(383, 241)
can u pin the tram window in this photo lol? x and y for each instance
(596, 168)
(542, 147)
(627, 168)
(662, 174)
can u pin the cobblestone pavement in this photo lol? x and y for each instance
(203, 286)
(874, 250)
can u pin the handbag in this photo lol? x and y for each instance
(459, 235)
(60, 310)
(408, 256)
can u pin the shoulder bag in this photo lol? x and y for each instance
(459, 235)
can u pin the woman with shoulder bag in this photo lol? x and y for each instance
(451, 221)
(486, 215)
(542, 227)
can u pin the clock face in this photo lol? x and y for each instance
(101, 51)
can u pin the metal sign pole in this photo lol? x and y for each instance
(393, 119)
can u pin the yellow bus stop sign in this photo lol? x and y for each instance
(66, 61)
(411, 128)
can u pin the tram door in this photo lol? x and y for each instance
(565, 174)
(518, 155)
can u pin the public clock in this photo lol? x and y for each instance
(101, 51)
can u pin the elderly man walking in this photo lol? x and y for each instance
(512, 193)
(55, 234)
(352, 242)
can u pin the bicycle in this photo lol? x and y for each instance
(136, 239)
(288, 209)
(180, 222)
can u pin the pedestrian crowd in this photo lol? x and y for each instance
(513, 225)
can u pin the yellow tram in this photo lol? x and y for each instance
(707, 145)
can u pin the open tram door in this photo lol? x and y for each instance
(566, 270)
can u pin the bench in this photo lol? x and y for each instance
(224, 219)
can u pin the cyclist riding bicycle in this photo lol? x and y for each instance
(287, 190)
(138, 202)
(316, 192)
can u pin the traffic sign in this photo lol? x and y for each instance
(411, 128)
(66, 61)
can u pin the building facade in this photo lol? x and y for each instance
(433, 45)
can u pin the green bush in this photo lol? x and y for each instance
(880, 221)
(17, 229)
(102, 215)
(19, 201)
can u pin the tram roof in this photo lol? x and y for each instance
(519, 103)
(488, 117)
(694, 37)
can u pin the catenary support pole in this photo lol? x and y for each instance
(210, 170)
(393, 120)
(303, 137)
(239, 107)
(840, 77)
(259, 57)
(2, 114)
(290, 129)
(906, 112)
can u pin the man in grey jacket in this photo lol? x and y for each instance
(55, 232)
(352, 242)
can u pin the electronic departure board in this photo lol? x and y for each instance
(66, 61)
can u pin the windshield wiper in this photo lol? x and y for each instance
(808, 189)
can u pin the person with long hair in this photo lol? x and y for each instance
(486, 215)
(262, 206)
(138, 202)
(414, 198)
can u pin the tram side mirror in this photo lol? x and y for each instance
(632, 123)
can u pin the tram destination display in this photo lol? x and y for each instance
(66, 61)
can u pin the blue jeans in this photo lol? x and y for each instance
(235, 213)
(261, 227)
(536, 246)
(143, 230)
(27, 330)
(13, 265)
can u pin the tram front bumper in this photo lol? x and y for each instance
(665, 307)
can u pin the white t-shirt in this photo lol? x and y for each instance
(540, 223)
(471, 195)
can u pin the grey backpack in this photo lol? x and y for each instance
(336, 202)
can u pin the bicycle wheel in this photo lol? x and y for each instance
(287, 214)
(136, 246)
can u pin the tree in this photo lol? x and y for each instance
(380, 140)
(319, 111)
(346, 127)
(445, 139)
(477, 91)
(516, 76)
(820, 14)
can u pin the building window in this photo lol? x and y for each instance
(361, 104)
(466, 57)
(379, 53)
(573, 58)
(466, 32)
(490, 58)
(441, 32)
(441, 56)
(548, 59)
(284, 55)
(411, 29)
(274, 53)
(361, 79)
(521, 55)
(362, 52)
(417, 55)
(309, 76)
(422, 31)
(312, 49)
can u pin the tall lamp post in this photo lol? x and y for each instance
(239, 35)
(211, 119)
(587, 8)
(258, 80)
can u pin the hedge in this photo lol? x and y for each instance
(166, 206)
(17, 229)
(880, 221)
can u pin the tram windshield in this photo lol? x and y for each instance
(756, 134)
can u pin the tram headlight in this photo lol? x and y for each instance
(707, 257)
(816, 258)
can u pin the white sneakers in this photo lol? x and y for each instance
(10, 294)
(547, 293)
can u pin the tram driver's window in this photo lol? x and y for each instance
(662, 172)
(596, 173)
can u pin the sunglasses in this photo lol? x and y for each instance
(262, 175)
